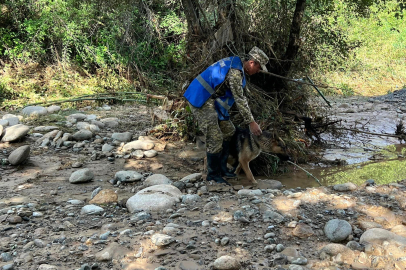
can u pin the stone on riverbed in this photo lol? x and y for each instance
(34, 110)
(155, 198)
(15, 133)
(19, 155)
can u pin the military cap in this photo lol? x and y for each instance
(258, 55)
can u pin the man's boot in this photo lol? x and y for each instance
(213, 168)
(223, 161)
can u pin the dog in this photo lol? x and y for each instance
(245, 147)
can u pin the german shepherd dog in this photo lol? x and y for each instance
(245, 147)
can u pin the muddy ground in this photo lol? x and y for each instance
(268, 227)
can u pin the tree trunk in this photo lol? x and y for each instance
(192, 16)
(294, 38)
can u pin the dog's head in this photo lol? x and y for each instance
(272, 144)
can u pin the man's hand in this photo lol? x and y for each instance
(255, 129)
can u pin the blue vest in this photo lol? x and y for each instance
(204, 85)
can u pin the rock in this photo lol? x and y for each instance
(97, 123)
(154, 198)
(272, 216)
(9, 266)
(187, 265)
(45, 128)
(94, 128)
(378, 236)
(14, 219)
(110, 122)
(11, 119)
(138, 154)
(82, 135)
(122, 137)
(399, 230)
(334, 249)
(91, 209)
(191, 198)
(337, 230)
(47, 267)
(303, 230)
(95, 192)
(138, 145)
(19, 155)
(353, 245)
(226, 263)
(192, 178)
(366, 225)
(15, 133)
(345, 187)
(39, 243)
(112, 251)
(91, 117)
(81, 176)
(34, 110)
(78, 116)
(82, 125)
(272, 184)
(6, 257)
(344, 106)
(76, 202)
(157, 179)
(161, 240)
(4, 122)
(150, 153)
(105, 196)
(249, 192)
(107, 148)
(53, 109)
(128, 176)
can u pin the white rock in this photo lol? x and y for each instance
(91, 209)
(191, 198)
(93, 128)
(47, 267)
(75, 202)
(4, 123)
(11, 119)
(19, 155)
(154, 198)
(138, 145)
(249, 192)
(15, 132)
(45, 128)
(226, 263)
(53, 109)
(157, 179)
(128, 176)
(91, 117)
(345, 187)
(81, 176)
(34, 110)
(162, 239)
(150, 153)
(138, 154)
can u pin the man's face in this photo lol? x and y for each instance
(252, 67)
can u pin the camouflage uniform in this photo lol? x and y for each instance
(217, 131)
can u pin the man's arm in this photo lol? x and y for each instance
(234, 80)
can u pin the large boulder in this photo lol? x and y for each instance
(155, 198)
(15, 133)
(19, 155)
(34, 110)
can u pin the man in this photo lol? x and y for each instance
(211, 95)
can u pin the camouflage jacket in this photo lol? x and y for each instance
(233, 82)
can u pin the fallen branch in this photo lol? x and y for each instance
(372, 133)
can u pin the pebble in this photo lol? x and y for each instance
(227, 263)
(337, 230)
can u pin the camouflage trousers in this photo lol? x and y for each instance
(214, 130)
